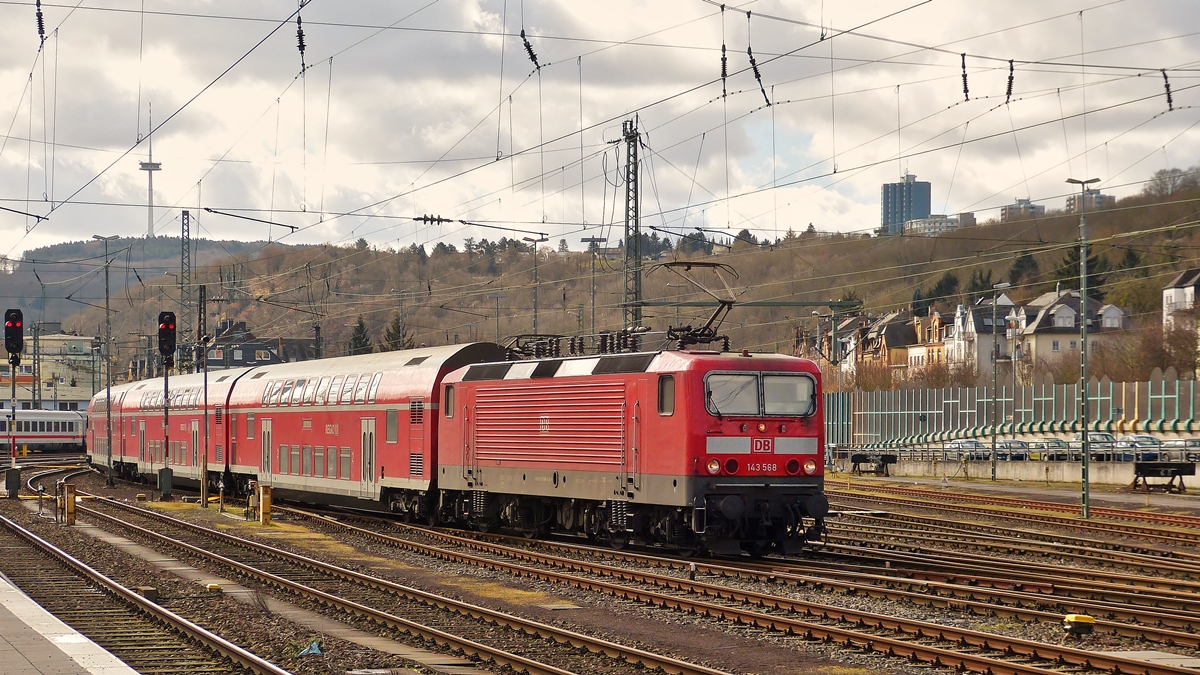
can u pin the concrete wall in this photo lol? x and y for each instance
(1100, 473)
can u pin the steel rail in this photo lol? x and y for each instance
(517, 662)
(210, 640)
(893, 646)
(1096, 511)
(1168, 536)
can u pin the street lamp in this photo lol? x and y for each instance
(1085, 495)
(108, 480)
(536, 283)
(995, 362)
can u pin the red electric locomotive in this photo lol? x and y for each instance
(689, 449)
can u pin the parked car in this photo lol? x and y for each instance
(969, 449)
(1051, 449)
(1100, 445)
(1181, 450)
(1146, 448)
(1012, 449)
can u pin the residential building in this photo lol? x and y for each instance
(1047, 328)
(902, 202)
(930, 346)
(972, 337)
(1020, 210)
(58, 371)
(886, 341)
(1179, 295)
(937, 224)
(1092, 200)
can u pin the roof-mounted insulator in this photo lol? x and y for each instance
(1008, 92)
(966, 94)
(41, 22)
(529, 51)
(300, 40)
(1167, 86)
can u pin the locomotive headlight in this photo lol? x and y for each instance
(713, 466)
(810, 466)
(762, 427)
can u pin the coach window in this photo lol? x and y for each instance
(322, 390)
(283, 458)
(319, 461)
(666, 395)
(308, 391)
(275, 387)
(335, 390)
(360, 390)
(345, 468)
(298, 393)
(249, 426)
(374, 388)
(448, 402)
(286, 396)
(232, 426)
(393, 426)
(331, 458)
(308, 460)
(348, 389)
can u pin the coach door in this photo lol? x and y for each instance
(196, 443)
(266, 450)
(368, 457)
(141, 440)
(121, 424)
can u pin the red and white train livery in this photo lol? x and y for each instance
(682, 448)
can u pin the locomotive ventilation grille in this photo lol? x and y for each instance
(416, 464)
(416, 411)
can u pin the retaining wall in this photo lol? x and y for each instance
(1101, 473)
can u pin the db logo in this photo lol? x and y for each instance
(544, 424)
(766, 445)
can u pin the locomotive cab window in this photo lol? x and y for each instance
(666, 395)
(393, 426)
(731, 394)
(791, 395)
(448, 402)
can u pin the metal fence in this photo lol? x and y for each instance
(921, 417)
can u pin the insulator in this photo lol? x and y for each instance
(299, 36)
(529, 50)
(1167, 85)
(41, 22)
(603, 343)
(724, 63)
(754, 65)
(966, 95)
(1008, 94)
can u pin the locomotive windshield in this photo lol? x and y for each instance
(757, 395)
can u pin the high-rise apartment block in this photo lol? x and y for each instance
(901, 202)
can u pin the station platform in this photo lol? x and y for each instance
(34, 642)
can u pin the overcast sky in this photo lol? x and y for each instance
(435, 107)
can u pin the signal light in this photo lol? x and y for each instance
(166, 333)
(14, 337)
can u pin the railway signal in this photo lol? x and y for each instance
(14, 341)
(166, 333)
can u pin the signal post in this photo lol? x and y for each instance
(166, 347)
(14, 344)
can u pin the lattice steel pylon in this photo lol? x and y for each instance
(632, 297)
(187, 305)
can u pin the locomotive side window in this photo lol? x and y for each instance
(322, 390)
(335, 390)
(666, 395)
(393, 426)
(789, 395)
(731, 394)
(448, 402)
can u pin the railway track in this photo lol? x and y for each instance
(149, 638)
(1137, 612)
(1016, 502)
(915, 640)
(544, 649)
(1184, 539)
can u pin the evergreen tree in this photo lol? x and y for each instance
(979, 285)
(360, 340)
(1067, 272)
(396, 336)
(945, 289)
(1023, 268)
